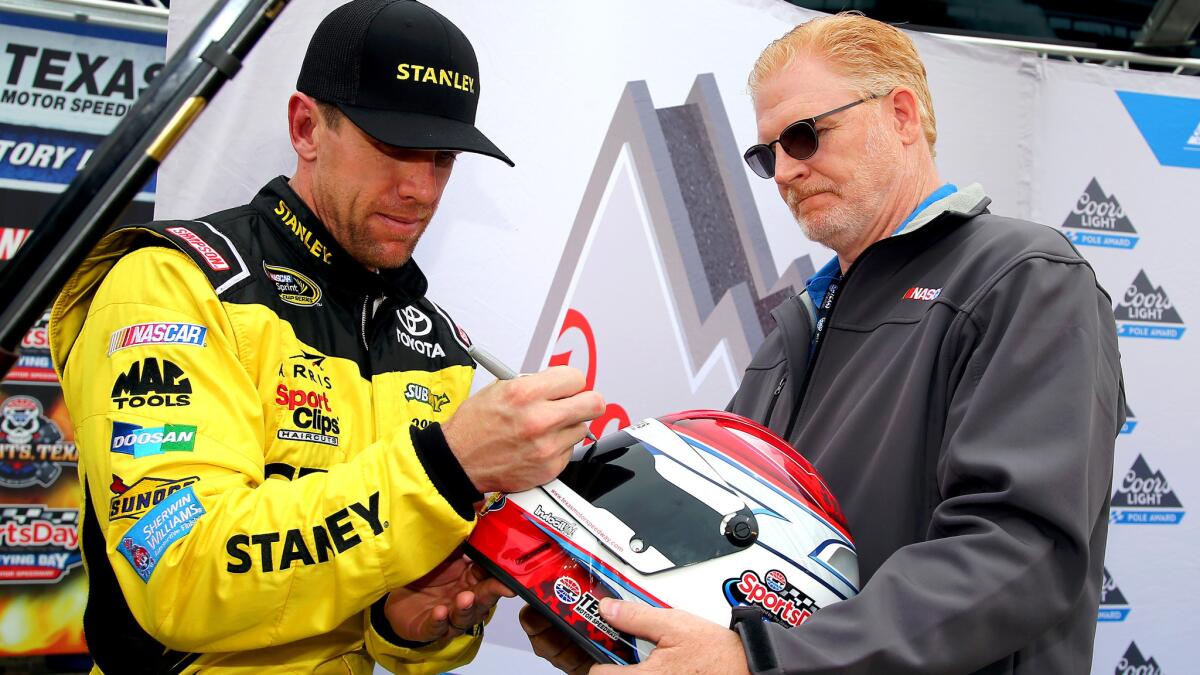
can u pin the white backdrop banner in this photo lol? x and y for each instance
(1117, 167)
(631, 242)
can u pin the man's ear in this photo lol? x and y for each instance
(303, 122)
(905, 112)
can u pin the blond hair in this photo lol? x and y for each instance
(874, 56)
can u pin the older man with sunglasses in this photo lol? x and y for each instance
(953, 375)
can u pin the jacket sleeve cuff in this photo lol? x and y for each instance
(383, 627)
(444, 470)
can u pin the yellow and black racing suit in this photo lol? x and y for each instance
(258, 424)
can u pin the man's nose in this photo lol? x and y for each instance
(788, 168)
(416, 178)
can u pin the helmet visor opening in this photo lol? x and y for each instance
(627, 480)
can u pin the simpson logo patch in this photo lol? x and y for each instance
(159, 333)
(210, 255)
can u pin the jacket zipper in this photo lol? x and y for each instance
(366, 306)
(775, 398)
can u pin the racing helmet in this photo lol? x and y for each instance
(700, 510)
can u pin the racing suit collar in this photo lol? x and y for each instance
(307, 237)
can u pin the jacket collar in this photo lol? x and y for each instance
(308, 239)
(967, 202)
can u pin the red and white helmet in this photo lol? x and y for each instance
(700, 510)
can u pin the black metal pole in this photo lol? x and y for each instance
(124, 162)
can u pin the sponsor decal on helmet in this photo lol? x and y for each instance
(1144, 497)
(1098, 219)
(149, 538)
(588, 607)
(310, 241)
(1113, 605)
(1145, 311)
(139, 441)
(158, 333)
(1134, 663)
(330, 538)
(152, 382)
(38, 544)
(32, 449)
(556, 522)
(210, 255)
(131, 501)
(567, 590)
(294, 288)
(783, 602)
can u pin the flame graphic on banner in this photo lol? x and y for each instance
(44, 621)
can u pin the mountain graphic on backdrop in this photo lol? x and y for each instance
(1109, 593)
(1143, 487)
(1134, 662)
(1143, 301)
(1095, 210)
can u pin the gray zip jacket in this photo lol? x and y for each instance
(968, 434)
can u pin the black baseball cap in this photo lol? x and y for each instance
(400, 71)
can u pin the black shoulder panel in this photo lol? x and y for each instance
(221, 245)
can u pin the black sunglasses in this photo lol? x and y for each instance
(799, 140)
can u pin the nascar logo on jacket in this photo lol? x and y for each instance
(158, 333)
(294, 288)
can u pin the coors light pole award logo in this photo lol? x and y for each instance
(1144, 497)
(1113, 605)
(1145, 311)
(1133, 663)
(1098, 220)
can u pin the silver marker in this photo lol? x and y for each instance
(502, 372)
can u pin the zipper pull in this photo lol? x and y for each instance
(780, 387)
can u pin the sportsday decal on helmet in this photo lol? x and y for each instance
(700, 510)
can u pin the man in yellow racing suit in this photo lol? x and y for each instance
(278, 452)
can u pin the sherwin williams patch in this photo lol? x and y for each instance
(145, 543)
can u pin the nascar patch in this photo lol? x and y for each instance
(145, 543)
(158, 333)
(139, 441)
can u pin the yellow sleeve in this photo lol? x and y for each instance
(400, 656)
(228, 561)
